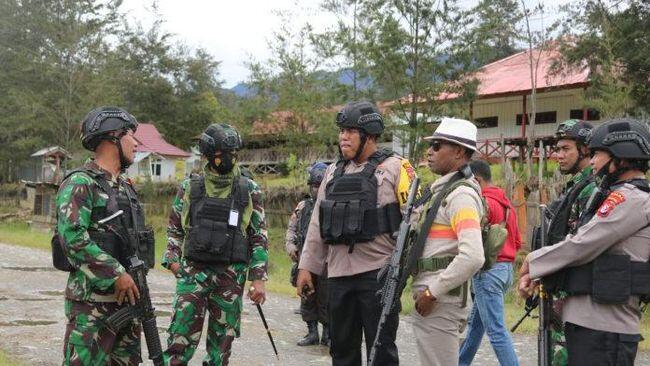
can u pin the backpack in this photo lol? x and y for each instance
(493, 235)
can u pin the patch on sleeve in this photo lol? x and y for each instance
(406, 176)
(613, 200)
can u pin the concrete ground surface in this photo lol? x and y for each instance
(32, 323)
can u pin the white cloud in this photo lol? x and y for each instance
(232, 31)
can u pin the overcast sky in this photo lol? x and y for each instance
(233, 31)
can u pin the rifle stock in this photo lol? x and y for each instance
(393, 274)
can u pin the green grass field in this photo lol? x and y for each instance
(6, 360)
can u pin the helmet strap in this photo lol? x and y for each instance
(610, 178)
(124, 164)
(362, 145)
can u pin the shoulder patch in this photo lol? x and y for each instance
(614, 199)
(408, 168)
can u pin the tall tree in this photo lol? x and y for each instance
(495, 29)
(415, 49)
(343, 47)
(50, 52)
(612, 39)
(61, 58)
(295, 87)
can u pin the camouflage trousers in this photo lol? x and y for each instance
(558, 341)
(220, 293)
(88, 341)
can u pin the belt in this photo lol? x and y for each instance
(432, 264)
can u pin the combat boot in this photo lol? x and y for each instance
(312, 336)
(325, 338)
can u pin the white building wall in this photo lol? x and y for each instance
(142, 170)
(507, 108)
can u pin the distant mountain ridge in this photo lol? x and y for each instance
(344, 77)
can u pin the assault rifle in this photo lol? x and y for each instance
(393, 276)
(143, 309)
(544, 341)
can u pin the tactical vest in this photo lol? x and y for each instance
(122, 237)
(303, 222)
(558, 229)
(215, 234)
(611, 278)
(349, 212)
(493, 235)
(559, 225)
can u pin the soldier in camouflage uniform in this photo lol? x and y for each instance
(98, 283)
(573, 157)
(216, 236)
(313, 308)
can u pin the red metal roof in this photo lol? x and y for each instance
(150, 140)
(511, 75)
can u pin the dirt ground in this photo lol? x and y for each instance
(32, 322)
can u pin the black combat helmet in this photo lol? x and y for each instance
(623, 138)
(101, 121)
(574, 129)
(316, 174)
(362, 115)
(219, 137)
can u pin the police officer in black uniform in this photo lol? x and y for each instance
(313, 308)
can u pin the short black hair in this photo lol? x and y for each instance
(481, 169)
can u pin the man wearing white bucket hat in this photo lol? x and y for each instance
(449, 239)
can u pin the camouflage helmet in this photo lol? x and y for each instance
(362, 115)
(219, 137)
(316, 174)
(574, 129)
(101, 121)
(624, 138)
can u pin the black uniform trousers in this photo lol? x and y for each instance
(589, 347)
(354, 307)
(314, 307)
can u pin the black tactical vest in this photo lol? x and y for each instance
(303, 222)
(611, 278)
(122, 237)
(215, 234)
(559, 225)
(349, 212)
(558, 229)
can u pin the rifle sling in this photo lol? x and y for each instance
(418, 247)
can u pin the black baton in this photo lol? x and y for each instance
(268, 332)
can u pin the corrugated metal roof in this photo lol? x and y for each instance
(511, 75)
(150, 140)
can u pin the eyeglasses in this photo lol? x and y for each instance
(435, 145)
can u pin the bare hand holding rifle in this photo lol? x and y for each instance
(392, 275)
(133, 285)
